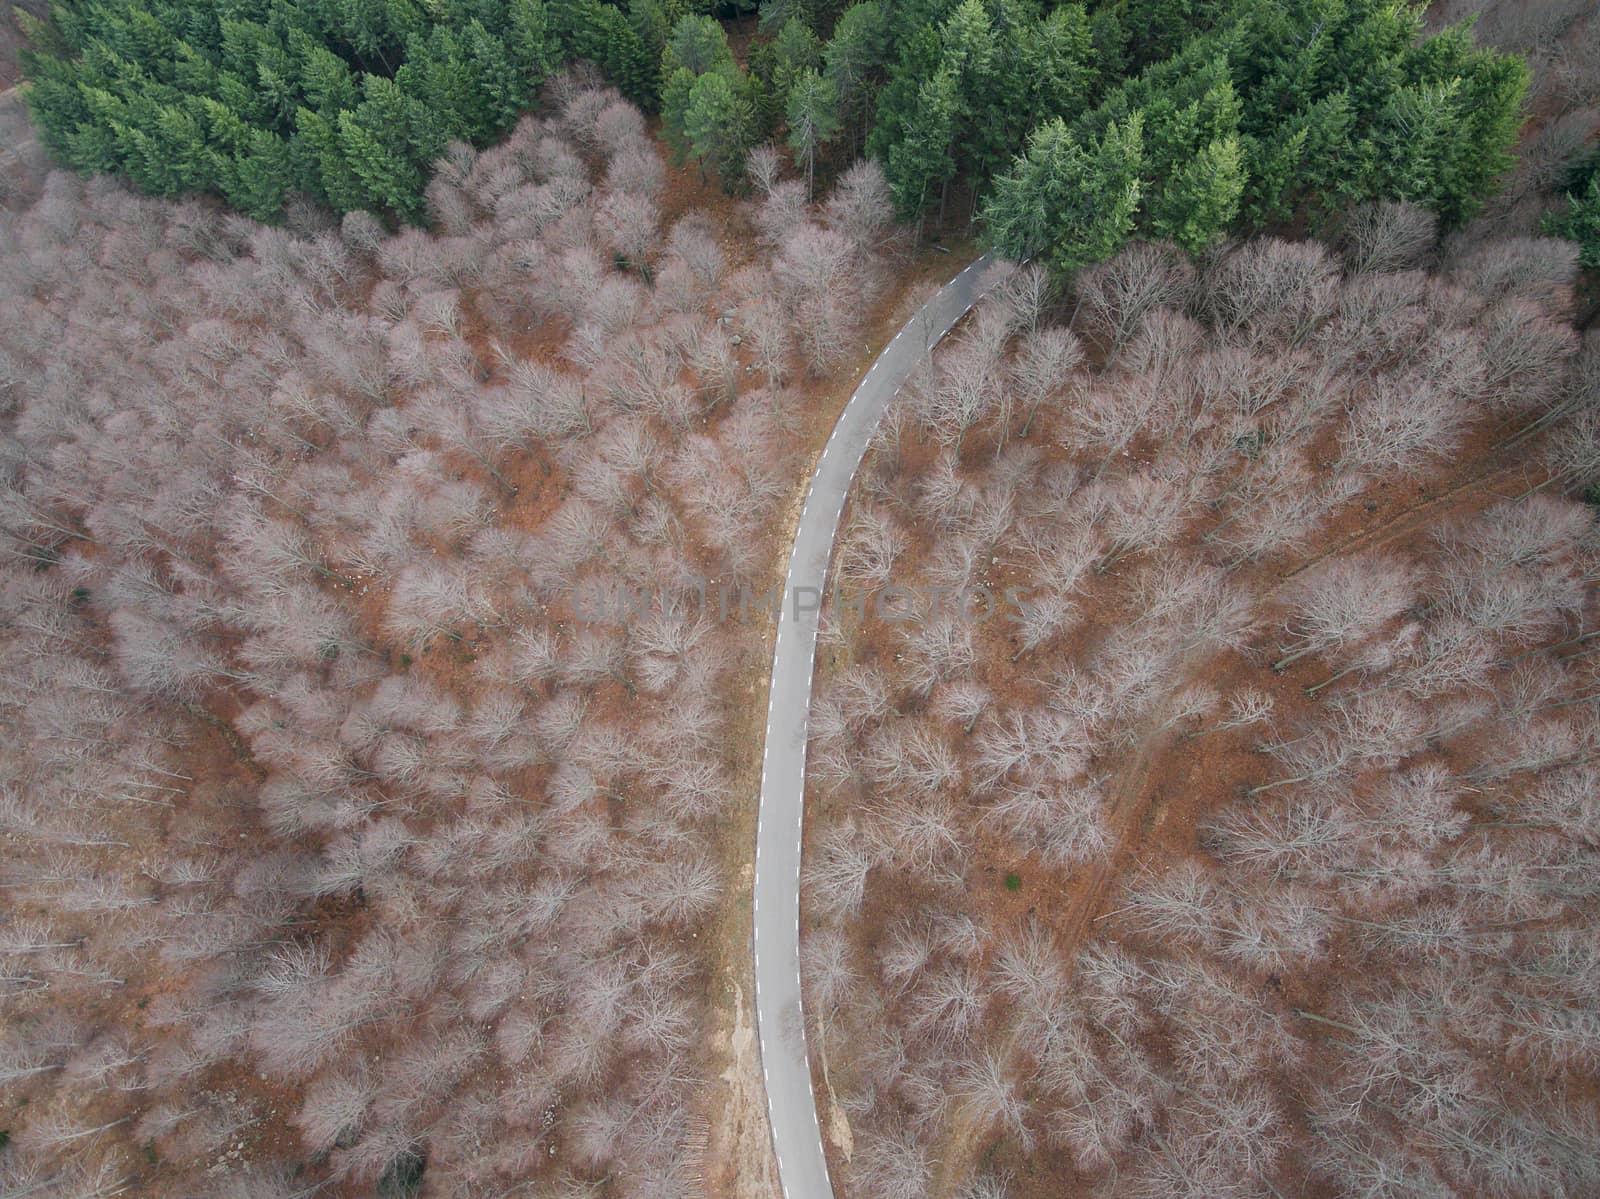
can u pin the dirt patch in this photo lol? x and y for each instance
(739, 1154)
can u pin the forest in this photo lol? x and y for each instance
(338, 855)
(1253, 854)
(1066, 131)
(1245, 849)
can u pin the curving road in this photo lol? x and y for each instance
(791, 1106)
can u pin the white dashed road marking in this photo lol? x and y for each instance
(802, 1166)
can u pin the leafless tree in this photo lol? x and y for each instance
(628, 222)
(860, 207)
(1343, 603)
(1115, 295)
(894, 1165)
(764, 166)
(985, 1086)
(1272, 290)
(782, 210)
(1387, 236)
(836, 872)
(815, 266)
(1043, 367)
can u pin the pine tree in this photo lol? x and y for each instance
(1581, 220)
(1201, 198)
(972, 56)
(530, 43)
(325, 80)
(320, 162)
(1059, 62)
(1489, 118)
(674, 114)
(172, 155)
(498, 90)
(716, 123)
(921, 160)
(761, 86)
(813, 116)
(387, 179)
(1067, 203)
(795, 51)
(698, 44)
(1157, 29)
(376, 29)
(256, 178)
(623, 56)
(854, 58)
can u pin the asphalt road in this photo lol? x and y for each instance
(791, 1106)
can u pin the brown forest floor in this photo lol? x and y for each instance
(1158, 792)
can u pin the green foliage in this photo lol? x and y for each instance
(674, 112)
(1110, 43)
(1009, 70)
(797, 50)
(606, 36)
(920, 160)
(767, 100)
(698, 44)
(716, 123)
(1581, 220)
(775, 64)
(813, 116)
(1243, 111)
(1158, 29)
(1269, 109)
(1059, 61)
(1067, 201)
(1200, 198)
(855, 57)
(1013, 881)
(256, 178)
(711, 111)
(348, 100)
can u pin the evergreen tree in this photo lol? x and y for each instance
(387, 179)
(320, 164)
(813, 116)
(972, 56)
(766, 99)
(216, 97)
(1200, 199)
(168, 151)
(854, 59)
(1581, 220)
(325, 81)
(256, 178)
(1110, 45)
(604, 35)
(1068, 203)
(716, 123)
(498, 91)
(376, 29)
(530, 44)
(1059, 62)
(1157, 29)
(674, 114)
(651, 24)
(920, 162)
(698, 44)
(795, 51)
